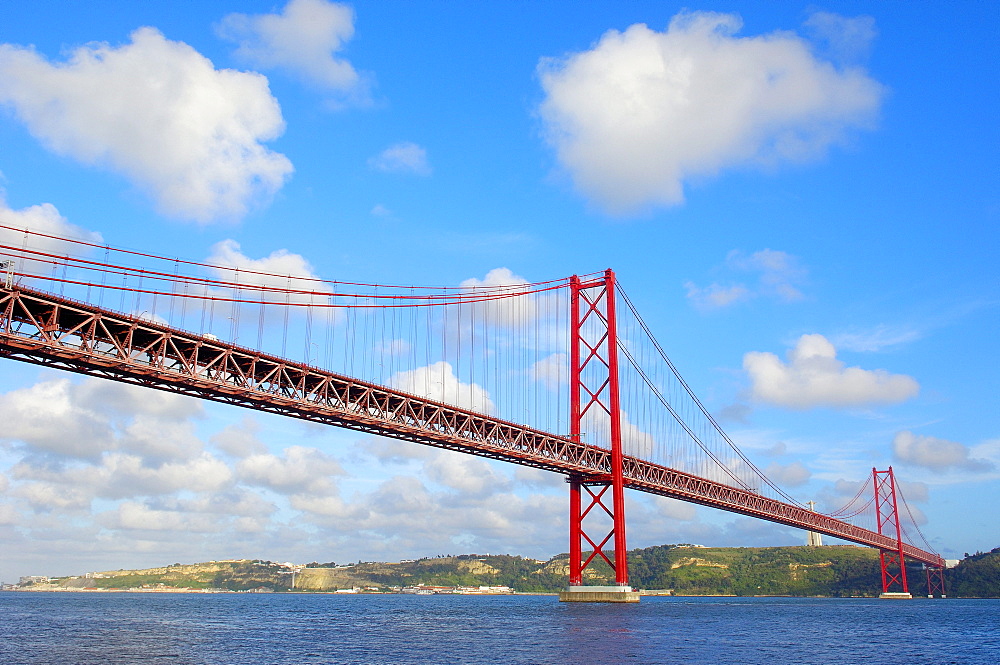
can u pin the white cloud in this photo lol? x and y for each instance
(847, 39)
(45, 497)
(835, 497)
(303, 40)
(165, 118)
(123, 475)
(280, 262)
(8, 515)
(494, 278)
(472, 476)
(438, 382)
(778, 274)
(279, 270)
(42, 218)
(45, 219)
(643, 111)
(323, 505)
(527, 476)
(141, 502)
(453, 497)
(596, 430)
(779, 448)
(392, 451)
(300, 470)
(914, 490)
(232, 502)
(716, 296)
(160, 440)
(936, 454)
(134, 516)
(788, 475)
(403, 157)
(126, 400)
(404, 514)
(815, 377)
(551, 371)
(240, 440)
(674, 509)
(393, 347)
(736, 413)
(102, 417)
(875, 339)
(988, 450)
(118, 476)
(43, 416)
(511, 311)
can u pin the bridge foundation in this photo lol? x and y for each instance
(599, 594)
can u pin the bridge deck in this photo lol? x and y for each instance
(50, 330)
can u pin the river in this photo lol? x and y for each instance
(300, 629)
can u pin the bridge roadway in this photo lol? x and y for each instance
(54, 331)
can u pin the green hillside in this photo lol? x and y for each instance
(796, 571)
(977, 576)
(681, 569)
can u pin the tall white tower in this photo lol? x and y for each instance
(813, 539)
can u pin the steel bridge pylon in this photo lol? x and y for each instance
(594, 396)
(892, 562)
(935, 581)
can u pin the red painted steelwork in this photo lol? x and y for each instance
(935, 581)
(595, 301)
(887, 512)
(617, 459)
(575, 483)
(79, 337)
(575, 531)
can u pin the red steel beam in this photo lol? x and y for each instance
(617, 456)
(54, 331)
(600, 392)
(887, 513)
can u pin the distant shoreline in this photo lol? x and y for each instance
(268, 592)
(679, 570)
(394, 593)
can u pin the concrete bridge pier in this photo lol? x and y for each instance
(599, 594)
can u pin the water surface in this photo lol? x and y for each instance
(238, 629)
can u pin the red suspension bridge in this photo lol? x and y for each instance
(562, 375)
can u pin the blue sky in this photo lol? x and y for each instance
(763, 177)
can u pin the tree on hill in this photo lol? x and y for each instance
(976, 576)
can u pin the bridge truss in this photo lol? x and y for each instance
(55, 331)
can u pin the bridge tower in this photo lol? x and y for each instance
(935, 580)
(887, 514)
(595, 399)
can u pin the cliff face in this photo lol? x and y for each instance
(326, 579)
(236, 575)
